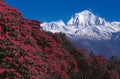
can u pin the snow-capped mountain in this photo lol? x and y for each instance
(58, 26)
(85, 18)
(86, 30)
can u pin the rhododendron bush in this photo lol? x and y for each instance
(26, 52)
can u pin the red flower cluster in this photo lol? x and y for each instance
(28, 53)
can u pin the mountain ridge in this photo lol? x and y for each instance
(82, 23)
(86, 26)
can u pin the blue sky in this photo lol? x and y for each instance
(53, 10)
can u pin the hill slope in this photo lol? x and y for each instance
(28, 53)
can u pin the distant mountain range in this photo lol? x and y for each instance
(86, 30)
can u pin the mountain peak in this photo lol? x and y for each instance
(58, 23)
(86, 12)
(61, 22)
(85, 18)
(86, 30)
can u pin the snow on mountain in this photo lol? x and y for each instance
(85, 18)
(54, 26)
(85, 27)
